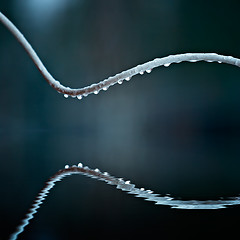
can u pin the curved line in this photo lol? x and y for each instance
(148, 195)
(118, 78)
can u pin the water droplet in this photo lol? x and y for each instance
(142, 189)
(167, 64)
(85, 94)
(120, 81)
(105, 173)
(127, 182)
(80, 165)
(79, 97)
(65, 95)
(141, 72)
(96, 92)
(148, 70)
(96, 170)
(73, 96)
(66, 166)
(149, 191)
(219, 62)
(105, 88)
(193, 60)
(127, 78)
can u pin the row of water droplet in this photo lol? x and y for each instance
(128, 79)
(104, 88)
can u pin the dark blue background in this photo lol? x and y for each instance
(174, 131)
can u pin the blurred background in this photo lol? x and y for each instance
(173, 131)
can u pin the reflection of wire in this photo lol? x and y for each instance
(122, 185)
(118, 78)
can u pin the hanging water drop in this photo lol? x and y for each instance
(219, 62)
(85, 94)
(66, 166)
(97, 170)
(127, 78)
(127, 182)
(96, 92)
(141, 72)
(105, 88)
(120, 81)
(148, 70)
(80, 165)
(167, 64)
(79, 97)
(65, 95)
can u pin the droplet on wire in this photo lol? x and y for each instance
(167, 64)
(148, 70)
(79, 97)
(120, 81)
(127, 78)
(141, 72)
(65, 95)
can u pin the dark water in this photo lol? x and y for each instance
(174, 131)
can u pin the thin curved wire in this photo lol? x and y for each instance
(148, 195)
(118, 78)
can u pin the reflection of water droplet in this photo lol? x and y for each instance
(105, 88)
(120, 81)
(79, 97)
(141, 72)
(148, 70)
(65, 95)
(127, 78)
(149, 191)
(66, 166)
(167, 64)
(96, 92)
(80, 165)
